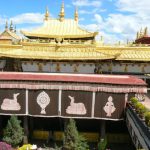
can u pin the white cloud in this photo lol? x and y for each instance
(135, 6)
(116, 27)
(2, 20)
(90, 27)
(123, 25)
(92, 11)
(98, 18)
(29, 18)
(120, 26)
(109, 38)
(81, 3)
(88, 12)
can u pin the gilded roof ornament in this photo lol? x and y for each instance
(15, 29)
(141, 33)
(6, 25)
(46, 14)
(11, 26)
(62, 12)
(146, 31)
(76, 16)
(137, 35)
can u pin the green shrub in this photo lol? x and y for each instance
(13, 133)
(134, 101)
(102, 144)
(140, 108)
(138, 105)
(147, 118)
(72, 139)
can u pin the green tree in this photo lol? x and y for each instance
(82, 144)
(72, 139)
(13, 133)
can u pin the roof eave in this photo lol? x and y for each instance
(28, 34)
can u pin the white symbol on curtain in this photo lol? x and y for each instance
(109, 108)
(43, 100)
(75, 108)
(11, 104)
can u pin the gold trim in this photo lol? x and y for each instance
(58, 36)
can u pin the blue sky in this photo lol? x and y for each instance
(116, 20)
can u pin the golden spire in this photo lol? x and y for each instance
(62, 12)
(15, 29)
(137, 35)
(101, 38)
(46, 14)
(141, 33)
(146, 31)
(76, 16)
(6, 25)
(11, 26)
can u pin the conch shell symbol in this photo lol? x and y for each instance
(43, 100)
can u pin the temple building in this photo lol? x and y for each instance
(143, 37)
(59, 71)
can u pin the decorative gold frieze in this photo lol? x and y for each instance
(40, 66)
(110, 67)
(126, 68)
(75, 68)
(57, 67)
(143, 68)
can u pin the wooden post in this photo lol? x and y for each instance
(31, 125)
(26, 131)
(1, 127)
(102, 129)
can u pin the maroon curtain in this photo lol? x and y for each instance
(12, 101)
(76, 103)
(43, 102)
(109, 105)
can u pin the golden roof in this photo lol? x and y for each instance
(54, 28)
(50, 52)
(10, 35)
(47, 51)
(127, 53)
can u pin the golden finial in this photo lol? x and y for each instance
(127, 41)
(76, 16)
(102, 38)
(11, 26)
(15, 29)
(137, 35)
(146, 31)
(141, 33)
(62, 12)
(46, 14)
(6, 25)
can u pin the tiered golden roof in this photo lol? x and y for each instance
(48, 48)
(60, 28)
(46, 52)
(75, 52)
(54, 28)
(9, 33)
(127, 53)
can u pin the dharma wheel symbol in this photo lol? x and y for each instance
(43, 100)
